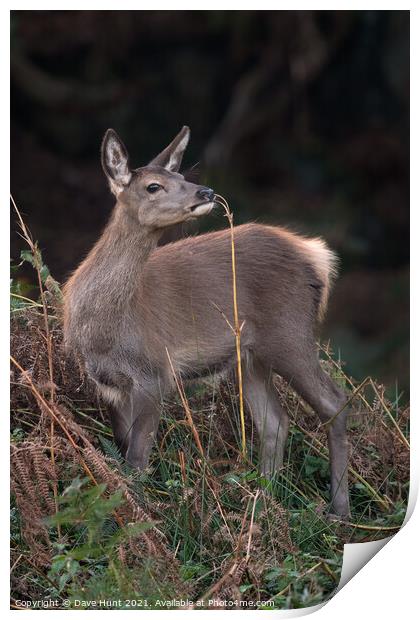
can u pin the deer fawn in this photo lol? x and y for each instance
(131, 304)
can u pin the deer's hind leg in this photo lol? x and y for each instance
(270, 419)
(302, 369)
(329, 401)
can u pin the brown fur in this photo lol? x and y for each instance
(130, 304)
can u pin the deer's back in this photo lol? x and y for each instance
(185, 293)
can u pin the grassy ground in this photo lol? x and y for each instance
(200, 525)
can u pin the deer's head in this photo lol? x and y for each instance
(156, 195)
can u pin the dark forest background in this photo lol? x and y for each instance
(298, 118)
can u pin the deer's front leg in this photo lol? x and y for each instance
(120, 422)
(144, 413)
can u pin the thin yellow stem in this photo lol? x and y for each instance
(328, 423)
(237, 327)
(35, 252)
(391, 417)
(308, 572)
(186, 407)
(321, 451)
(373, 528)
(248, 548)
(32, 302)
(400, 436)
(50, 409)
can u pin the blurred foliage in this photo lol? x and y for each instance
(299, 118)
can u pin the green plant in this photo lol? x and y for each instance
(89, 562)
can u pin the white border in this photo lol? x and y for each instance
(388, 585)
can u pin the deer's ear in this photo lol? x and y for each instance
(114, 158)
(171, 157)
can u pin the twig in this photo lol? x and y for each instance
(37, 570)
(308, 572)
(219, 583)
(35, 253)
(196, 435)
(391, 417)
(328, 423)
(239, 543)
(186, 407)
(248, 549)
(329, 572)
(15, 563)
(400, 436)
(56, 418)
(238, 327)
(383, 502)
(374, 528)
(32, 302)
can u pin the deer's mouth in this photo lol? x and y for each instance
(199, 204)
(201, 208)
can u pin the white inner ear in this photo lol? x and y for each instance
(177, 153)
(117, 163)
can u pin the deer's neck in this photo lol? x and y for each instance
(112, 271)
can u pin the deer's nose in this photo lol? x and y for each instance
(205, 193)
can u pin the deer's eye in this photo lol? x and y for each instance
(153, 187)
